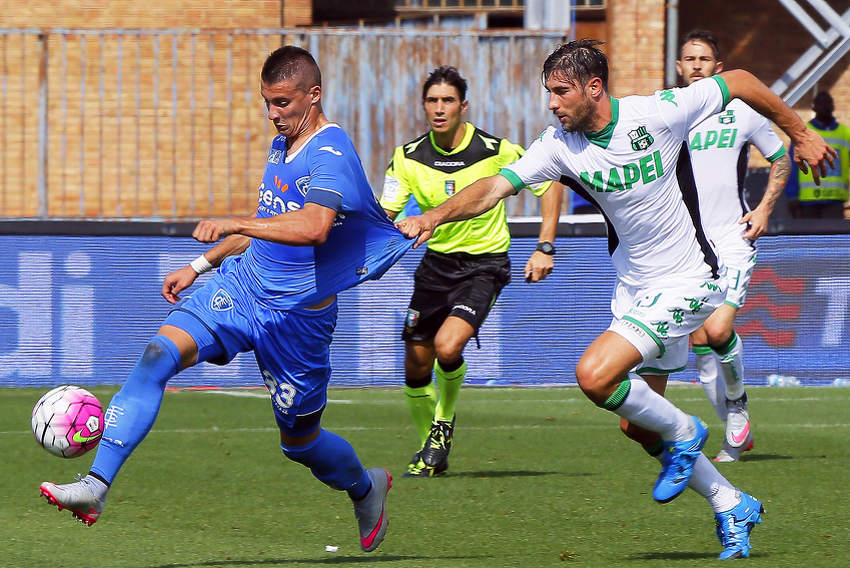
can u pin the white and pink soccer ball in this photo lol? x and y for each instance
(67, 421)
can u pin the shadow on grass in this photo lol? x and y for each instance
(331, 560)
(517, 473)
(684, 555)
(765, 457)
(674, 555)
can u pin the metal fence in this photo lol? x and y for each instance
(169, 124)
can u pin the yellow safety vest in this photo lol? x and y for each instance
(833, 186)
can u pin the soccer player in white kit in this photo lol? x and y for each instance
(719, 153)
(630, 157)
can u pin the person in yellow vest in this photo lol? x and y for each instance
(466, 264)
(829, 200)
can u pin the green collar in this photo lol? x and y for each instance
(467, 138)
(603, 137)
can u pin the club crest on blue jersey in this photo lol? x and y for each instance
(726, 117)
(303, 184)
(221, 301)
(274, 156)
(450, 187)
(641, 139)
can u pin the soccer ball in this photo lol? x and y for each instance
(67, 421)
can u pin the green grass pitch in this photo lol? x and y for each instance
(538, 477)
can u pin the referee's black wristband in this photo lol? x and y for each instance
(546, 248)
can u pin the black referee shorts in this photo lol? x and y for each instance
(454, 284)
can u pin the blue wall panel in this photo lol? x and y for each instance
(80, 310)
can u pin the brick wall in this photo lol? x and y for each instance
(157, 14)
(113, 154)
(762, 37)
(636, 49)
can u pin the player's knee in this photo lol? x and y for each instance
(450, 350)
(717, 333)
(593, 382)
(160, 360)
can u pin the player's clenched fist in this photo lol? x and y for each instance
(211, 230)
(421, 226)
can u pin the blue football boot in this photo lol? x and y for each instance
(677, 464)
(734, 527)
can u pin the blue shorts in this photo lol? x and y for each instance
(292, 347)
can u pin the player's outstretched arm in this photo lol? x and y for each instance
(304, 227)
(758, 217)
(471, 201)
(540, 264)
(182, 278)
(811, 150)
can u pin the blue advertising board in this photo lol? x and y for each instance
(80, 310)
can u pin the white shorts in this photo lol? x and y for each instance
(739, 256)
(658, 319)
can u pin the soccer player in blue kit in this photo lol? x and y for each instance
(317, 231)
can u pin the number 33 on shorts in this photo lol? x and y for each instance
(283, 395)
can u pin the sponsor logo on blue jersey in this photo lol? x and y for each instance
(221, 301)
(274, 156)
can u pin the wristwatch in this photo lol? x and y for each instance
(546, 248)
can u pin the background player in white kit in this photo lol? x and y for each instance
(719, 153)
(630, 157)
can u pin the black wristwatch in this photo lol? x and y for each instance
(546, 248)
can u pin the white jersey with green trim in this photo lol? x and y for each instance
(637, 170)
(720, 156)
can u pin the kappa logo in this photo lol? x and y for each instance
(641, 139)
(331, 149)
(274, 156)
(727, 117)
(221, 301)
(669, 96)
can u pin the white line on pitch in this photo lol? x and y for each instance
(611, 426)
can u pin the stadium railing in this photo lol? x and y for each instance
(169, 124)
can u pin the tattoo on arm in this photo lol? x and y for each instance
(779, 172)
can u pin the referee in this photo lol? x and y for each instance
(466, 264)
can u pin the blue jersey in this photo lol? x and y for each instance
(362, 244)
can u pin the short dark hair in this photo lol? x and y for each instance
(445, 74)
(705, 37)
(291, 62)
(823, 96)
(578, 61)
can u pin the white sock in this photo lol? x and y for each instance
(648, 409)
(732, 369)
(708, 482)
(709, 366)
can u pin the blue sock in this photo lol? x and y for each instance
(132, 411)
(332, 461)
